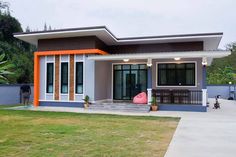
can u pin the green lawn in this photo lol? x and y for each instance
(31, 133)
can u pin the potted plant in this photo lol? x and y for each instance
(154, 105)
(86, 101)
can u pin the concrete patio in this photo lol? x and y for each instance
(199, 134)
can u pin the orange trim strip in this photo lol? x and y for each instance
(37, 54)
(69, 52)
(36, 80)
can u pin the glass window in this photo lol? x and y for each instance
(64, 77)
(174, 74)
(143, 66)
(79, 78)
(134, 66)
(126, 66)
(117, 67)
(50, 71)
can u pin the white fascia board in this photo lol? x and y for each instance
(108, 38)
(33, 38)
(163, 55)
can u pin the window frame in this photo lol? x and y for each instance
(181, 86)
(67, 78)
(53, 77)
(75, 74)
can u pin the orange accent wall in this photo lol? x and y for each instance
(37, 55)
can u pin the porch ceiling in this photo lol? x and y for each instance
(163, 55)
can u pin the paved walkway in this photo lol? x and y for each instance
(211, 134)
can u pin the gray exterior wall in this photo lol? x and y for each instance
(10, 94)
(104, 76)
(102, 80)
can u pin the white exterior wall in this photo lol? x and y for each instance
(88, 78)
(89, 82)
(42, 80)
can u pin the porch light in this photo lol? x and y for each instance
(204, 61)
(149, 62)
(177, 58)
(126, 60)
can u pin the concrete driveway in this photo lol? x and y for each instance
(211, 134)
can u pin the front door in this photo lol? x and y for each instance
(129, 80)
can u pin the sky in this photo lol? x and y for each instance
(128, 18)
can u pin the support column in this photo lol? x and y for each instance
(36, 79)
(149, 85)
(204, 87)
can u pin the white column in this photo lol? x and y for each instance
(204, 97)
(149, 94)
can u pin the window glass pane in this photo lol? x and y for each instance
(143, 80)
(117, 67)
(171, 79)
(190, 65)
(143, 66)
(174, 74)
(49, 78)
(79, 78)
(180, 66)
(64, 77)
(134, 66)
(162, 77)
(190, 77)
(171, 66)
(180, 79)
(50, 89)
(126, 66)
(118, 85)
(64, 89)
(162, 66)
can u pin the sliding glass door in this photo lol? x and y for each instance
(129, 80)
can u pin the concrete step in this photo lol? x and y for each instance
(123, 107)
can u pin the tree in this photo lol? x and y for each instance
(4, 6)
(16, 52)
(223, 70)
(5, 67)
(45, 27)
(27, 29)
(222, 76)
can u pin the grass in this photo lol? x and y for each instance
(37, 134)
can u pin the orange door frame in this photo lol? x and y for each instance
(38, 54)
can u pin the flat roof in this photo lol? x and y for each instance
(211, 40)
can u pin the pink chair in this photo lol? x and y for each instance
(141, 98)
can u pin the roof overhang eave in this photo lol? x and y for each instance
(163, 55)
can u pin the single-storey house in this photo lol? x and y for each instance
(72, 63)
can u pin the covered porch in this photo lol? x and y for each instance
(177, 80)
